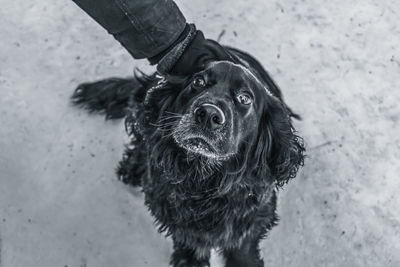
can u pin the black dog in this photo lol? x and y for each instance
(209, 150)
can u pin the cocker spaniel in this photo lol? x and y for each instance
(209, 151)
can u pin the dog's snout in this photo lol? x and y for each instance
(210, 115)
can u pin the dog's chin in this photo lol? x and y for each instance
(200, 146)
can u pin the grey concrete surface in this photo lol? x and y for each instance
(338, 63)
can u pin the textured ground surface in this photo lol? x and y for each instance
(338, 63)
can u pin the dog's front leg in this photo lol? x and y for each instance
(247, 255)
(184, 256)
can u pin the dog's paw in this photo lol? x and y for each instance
(182, 261)
(188, 263)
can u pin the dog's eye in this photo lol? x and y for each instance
(244, 99)
(199, 82)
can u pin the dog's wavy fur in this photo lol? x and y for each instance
(201, 202)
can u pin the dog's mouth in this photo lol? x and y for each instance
(198, 145)
(197, 141)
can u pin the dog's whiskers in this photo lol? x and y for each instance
(165, 123)
(173, 113)
(166, 118)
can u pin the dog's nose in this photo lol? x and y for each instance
(210, 115)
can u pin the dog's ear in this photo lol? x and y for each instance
(278, 145)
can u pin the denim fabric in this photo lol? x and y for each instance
(144, 27)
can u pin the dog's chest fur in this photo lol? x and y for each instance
(199, 216)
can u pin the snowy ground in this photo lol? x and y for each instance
(338, 63)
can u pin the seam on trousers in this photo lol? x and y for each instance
(135, 22)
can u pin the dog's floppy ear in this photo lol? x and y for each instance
(278, 145)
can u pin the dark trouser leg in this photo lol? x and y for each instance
(144, 27)
(187, 257)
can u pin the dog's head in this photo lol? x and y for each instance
(228, 115)
(223, 108)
